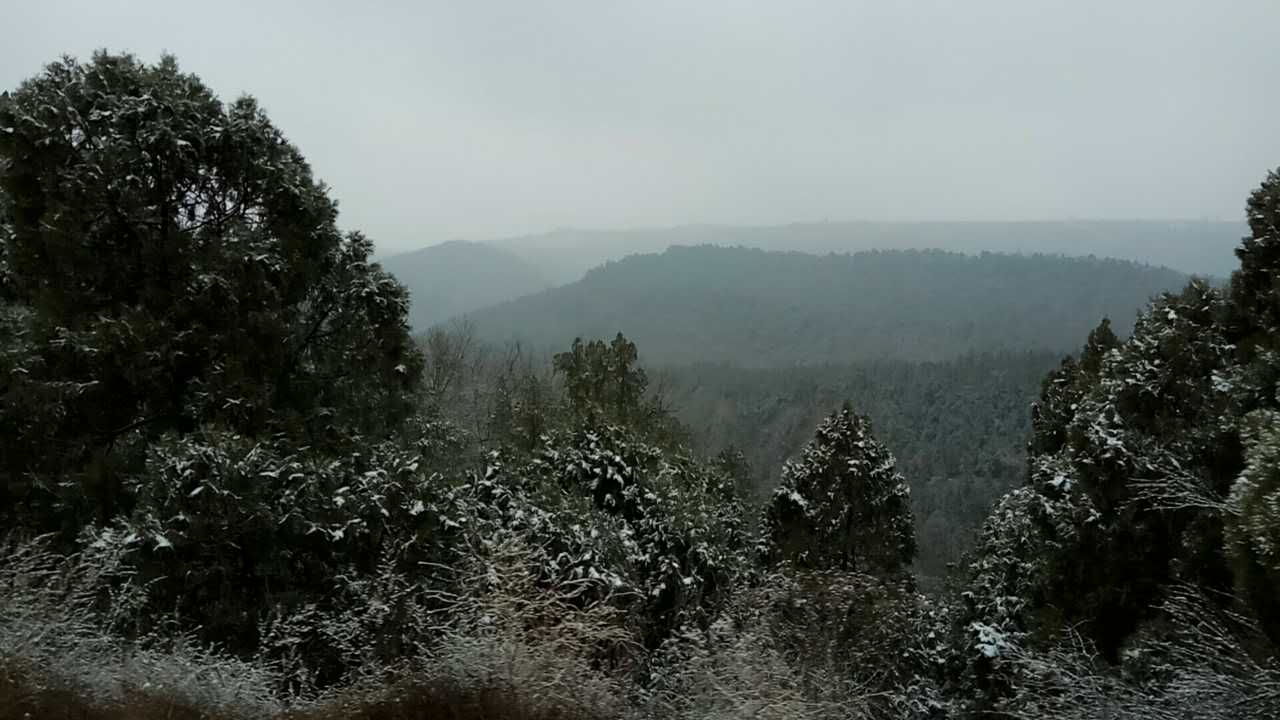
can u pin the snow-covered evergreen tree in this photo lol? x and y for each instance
(842, 504)
(211, 283)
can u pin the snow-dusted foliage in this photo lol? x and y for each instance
(807, 644)
(663, 528)
(842, 504)
(506, 631)
(211, 283)
(262, 547)
(1253, 516)
(252, 508)
(1253, 287)
(62, 635)
(1132, 449)
(1137, 485)
(1012, 561)
(1199, 662)
(330, 565)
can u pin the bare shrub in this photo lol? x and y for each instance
(798, 645)
(1197, 663)
(59, 643)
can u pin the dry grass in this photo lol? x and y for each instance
(511, 649)
(508, 648)
(22, 698)
(24, 695)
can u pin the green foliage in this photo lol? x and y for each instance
(958, 429)
(1133, 448)
(1255, 288)
(842, 505)
(603, 378)
(666, 528)
(210, 281)
(1253, 518)
(759, 309)
(1141, 445)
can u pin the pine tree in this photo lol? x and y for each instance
(603, 378)
(178, 265)
(842, 504)
(1255, 287)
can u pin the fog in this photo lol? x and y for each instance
(434, 120)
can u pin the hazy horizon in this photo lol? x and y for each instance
(692, 225)
(438, 121)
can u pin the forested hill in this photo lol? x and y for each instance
(1190, 246)
(958, 429)
(457, 277)
(756, 308)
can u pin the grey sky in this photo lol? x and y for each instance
(435, 120)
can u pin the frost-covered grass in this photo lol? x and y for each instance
(511, 649)
(60, 645)
(510, 646)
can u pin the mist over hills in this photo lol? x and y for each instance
(754, 308)
(459, 276)
(1192, 247)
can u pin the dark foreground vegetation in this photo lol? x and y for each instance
(236, 487)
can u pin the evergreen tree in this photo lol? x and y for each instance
(1255, 287)
(603, 378)
(178, 265)
(1253, 520)
(842, 504)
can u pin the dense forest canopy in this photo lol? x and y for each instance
(754, 308)
(235, 486)
(958, 428)
(457, 278)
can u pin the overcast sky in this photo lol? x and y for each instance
(477, 118)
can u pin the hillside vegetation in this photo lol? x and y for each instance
(1192, 247)
(753, 308)
(958, 428)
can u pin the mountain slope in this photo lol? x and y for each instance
(1193, 247)
(958, 428)
(457, 277)
(767, 309)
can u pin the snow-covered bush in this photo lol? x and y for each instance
(807, 644)
(61, 635)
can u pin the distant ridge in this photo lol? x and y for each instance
(1190, 246)
(457, 277)
(755, 308)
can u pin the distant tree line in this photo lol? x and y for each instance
(751, 308)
